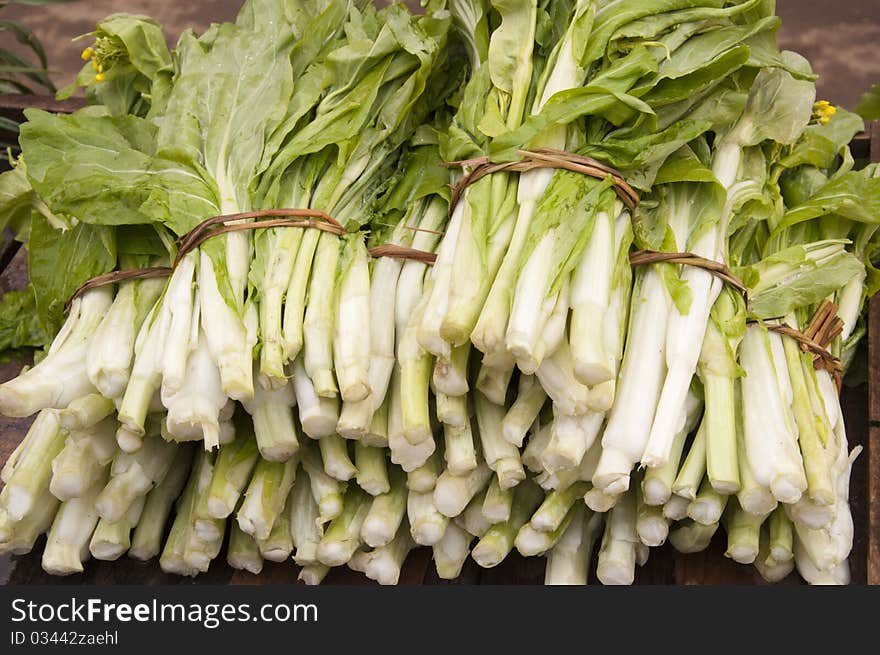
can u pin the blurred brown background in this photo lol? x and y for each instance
(841, 39)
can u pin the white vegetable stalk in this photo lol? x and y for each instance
(692, 537)
(243, 553)
(386, 512)
(306, 527)
(693, 470)
(384, 563)
(743, 534)
(501, 456)
(272, 413)
(651, 526)
(459, 452)
(415, 373)
(451, 552)
(146, 372)
(61, 376)
(568, 561)
(265, 497)
(146, 542)
(111, 351)
(351, 339)
(233, 467)
(554, 331)
(19, 537)
(638, 384)
(451, 410)
(499, 540)
(180, 300)
(295, 298)
(771, 569)
(342, 537)
(657, 482)
(590, 299)
(317, 415)
(497, 502)
(809, 571)
(172, 558)
(492, 381)
(556, 375)
(334, 454)
(318, 324)
(283, 246)
(372, 469)
(472, 519)
(453, 492)
(112, 540)
(570, 438)
(327, 491)
(556, 505)
(377, 434)
(450, 375)
(194, 410)
(675, 509)
(535, 446)
(226, 334)
(313, 574)
(427, 524)
(132, 475)
(32, 471)
(519, 418)
(530, 542)
(279, 545)
(780, 536)
(85, 412)
(708, 505)
(424, 478)
(770, 431)
(84, 458)
(617, 555)
(67, 546)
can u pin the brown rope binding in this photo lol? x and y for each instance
(718, 269)
(304, 218)
(824, 327)
(541, 158)
(402, 252)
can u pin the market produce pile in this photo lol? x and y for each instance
(319, 388)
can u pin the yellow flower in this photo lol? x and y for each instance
(99, 77)
(87, 54)
(95, 64)
(823, 111)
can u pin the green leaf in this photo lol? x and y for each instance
(869, 104)
(59, 262)
(855, 195)
(20, 325)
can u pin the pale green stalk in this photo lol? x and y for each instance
(453, 492)
(243, 553)
(272, 414)
(708, 505)
(690, 476)
(318, 324)
(556, 505)
(351, 339)
(770, 569)
(19, 537)
(452, 411)
(403, 453)
(327, 491)
(451, 552)
(675, 509)
(535, 446)
(306, 527)
(501, 456)
(492, 382)
(498, 503)
(295, 298)
(85, 412)
(377, 434)
(781, 536)
(342, 537)
(743, 534)
(499, 540)
(692, 537)
(265, 497)
(334, 455)
(84, 458)
(313, 574)
(133, 475)
(618, 553)
(570, 438)
(386, 512)
(372, 469)
(146, 542)
(568, 561)
(112, 540)
(753, 497)
(67, 546)
(459, 451)
(427, 524)
(33, 465)
(600, 501)
(522, 414)
(424, 478)
(651, 526)
(317, 415)
(232, 471)
(385, 562)
(472, 519)
(279, 544)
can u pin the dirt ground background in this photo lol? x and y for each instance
(841, 39)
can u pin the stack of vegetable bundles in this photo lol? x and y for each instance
(461, 356)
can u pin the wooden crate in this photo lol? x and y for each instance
(665, 566)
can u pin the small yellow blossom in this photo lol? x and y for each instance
(823, 111)
(95, 64)
(99, 77)
(87, 54)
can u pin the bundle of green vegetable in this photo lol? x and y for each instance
(527, 389)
